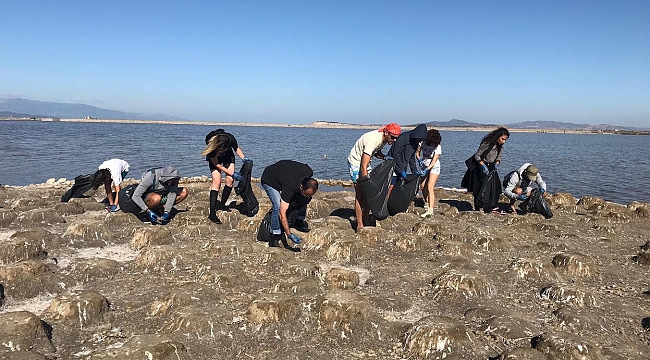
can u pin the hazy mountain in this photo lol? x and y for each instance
(541, 125)
(9, 114)
(73, 111)
(456, 123)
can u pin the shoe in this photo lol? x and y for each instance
(301, 225)
(429, 212)
(215, 219)
(222, 207)
(498, 211)
(275, 239)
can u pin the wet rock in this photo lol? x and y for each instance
(591, 203)
(38, 216)
(90, 270)
(150, 347)
(522, 354)
(6, 217)
(339, 278)
(575, 264)
(371, 235)
(561, 198)
(532, 270)
(569, 295)
(163, 258)
(69, 208)
(24, 331)
(88, 234)
(27, 279)
(78, 309)
(156, 235)
(273, 308)
(561, 345)
(16, 250)
(439, 337)
(460, 282)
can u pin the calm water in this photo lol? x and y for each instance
(614, 167)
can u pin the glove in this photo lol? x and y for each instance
(402, 174)
(386, 157)
(421, 163)
(542, 190)
(247, 160)
(164, 219)
(485, 169)
(153, 217)
(295, 238)
(522, 197)
(111, 208)
(237, 176)
(496, 166)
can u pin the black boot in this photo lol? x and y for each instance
(224, 197)
(214, 203)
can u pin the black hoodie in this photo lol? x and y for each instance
(404, 148)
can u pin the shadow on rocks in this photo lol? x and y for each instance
(459, 204)
(646, 323)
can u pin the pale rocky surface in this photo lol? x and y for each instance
(79, 283)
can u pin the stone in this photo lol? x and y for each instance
(575, 264)
(532, 270)
(156, 235)
(6, 217)
(341, 251)
(273, 308)
(577, 319)
(492, 244)
(335, 222)
(118, 219)
(149, 347)
(522, 353)
(561, 198)
(29, 202)
(69, 208)
(24, 331)
(248, 225)
(78, 309)
(569, 295)
(439, 337)
(38, 216)
(14, 250)
(90, 270)
(318, 209)
(460, 282)
(21, 355)
(642, 258)
(591, 203)
(88, 234)
(408, 242)
(456, 248)
(37, 235)
(320, 238)
(199, 320)
(339, 310)
(561, 345)
(371, 235)
(27, 279)
(165, 258)
(339, 278)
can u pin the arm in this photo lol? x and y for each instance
(540, 181)
(481, 149)
(284, 222)
(171, 198)
(220, 167)
(433, 161)
(140, 190)
(240, 153)
(512, 182)
(109, 193)
(363, 167)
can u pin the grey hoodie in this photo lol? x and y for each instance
(154, 181)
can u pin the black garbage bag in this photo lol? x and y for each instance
(82, 183)
(375, 189)
(245, 190)
(488, 195)
(264, 232)
(403, 194)
(537, 204)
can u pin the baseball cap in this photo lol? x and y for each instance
(531, 172)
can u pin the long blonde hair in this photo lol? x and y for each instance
(218, 142)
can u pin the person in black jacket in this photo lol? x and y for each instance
(220, 152)
(403, 151)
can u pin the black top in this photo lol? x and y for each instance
(285, 176)
(231, 146)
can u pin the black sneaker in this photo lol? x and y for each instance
(301, 225)
(215, 219)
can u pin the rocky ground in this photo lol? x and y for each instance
(79, 283)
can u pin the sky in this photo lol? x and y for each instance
(375, 61)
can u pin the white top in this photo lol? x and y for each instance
(116, 167)
(369, 143)
(428, 152)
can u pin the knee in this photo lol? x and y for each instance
(152, 200)
(517, 190)
(182, 194)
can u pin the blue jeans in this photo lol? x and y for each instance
(275, 198)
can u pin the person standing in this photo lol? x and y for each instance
(220, 152)
(111, 173)
(367, 146)
(289, 184)
(428, 154)
(518, 184)
(404, 148)
(485, 159)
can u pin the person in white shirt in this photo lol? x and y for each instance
(111, 173)
(428, 154)
(519, 183)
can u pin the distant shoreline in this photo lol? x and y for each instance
(331, 125)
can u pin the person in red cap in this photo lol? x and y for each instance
(368, 145)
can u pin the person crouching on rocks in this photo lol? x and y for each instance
(220, 152)
(111, 172)
(158, 187)
(289, 184)
(518, 184)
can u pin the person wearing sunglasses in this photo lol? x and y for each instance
(367, 146)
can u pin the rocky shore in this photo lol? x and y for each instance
(77, 282)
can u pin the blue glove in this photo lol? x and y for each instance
(237, 176)
(421, 163)
(164, 219)
(426, 171)
(386, 157)
(247, 160)
(522, 197)
(295, 238)
(112, 208)
(153, 217)
(402, 174)
(485, 169)
(542, 190)
(496, 166)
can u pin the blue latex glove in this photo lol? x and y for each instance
(421, 163)
(295, 238)
(485, 169)
(402, 174)
(542, 190)
(111, 208)
(496, 166)
(237, 176)
(164, 219)
(522, 197)
(247, 160)
(153, 217)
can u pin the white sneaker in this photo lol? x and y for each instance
(429, 212)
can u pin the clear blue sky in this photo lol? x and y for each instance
(350, 61)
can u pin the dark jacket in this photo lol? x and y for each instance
(404, 148)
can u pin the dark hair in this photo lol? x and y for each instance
(309, 183)
(493, 136)
(433, 138)
(100, 177)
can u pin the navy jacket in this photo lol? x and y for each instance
(404, 148)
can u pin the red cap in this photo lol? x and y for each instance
(393, 129)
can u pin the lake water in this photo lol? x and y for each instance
(613, 167)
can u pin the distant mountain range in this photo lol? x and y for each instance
(30, 108)
(541, 125)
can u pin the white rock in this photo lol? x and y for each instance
(50, 181)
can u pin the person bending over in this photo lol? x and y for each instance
(403, 151)
(158, 187)
(518, 184)
(111, 172)
(289, 184)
